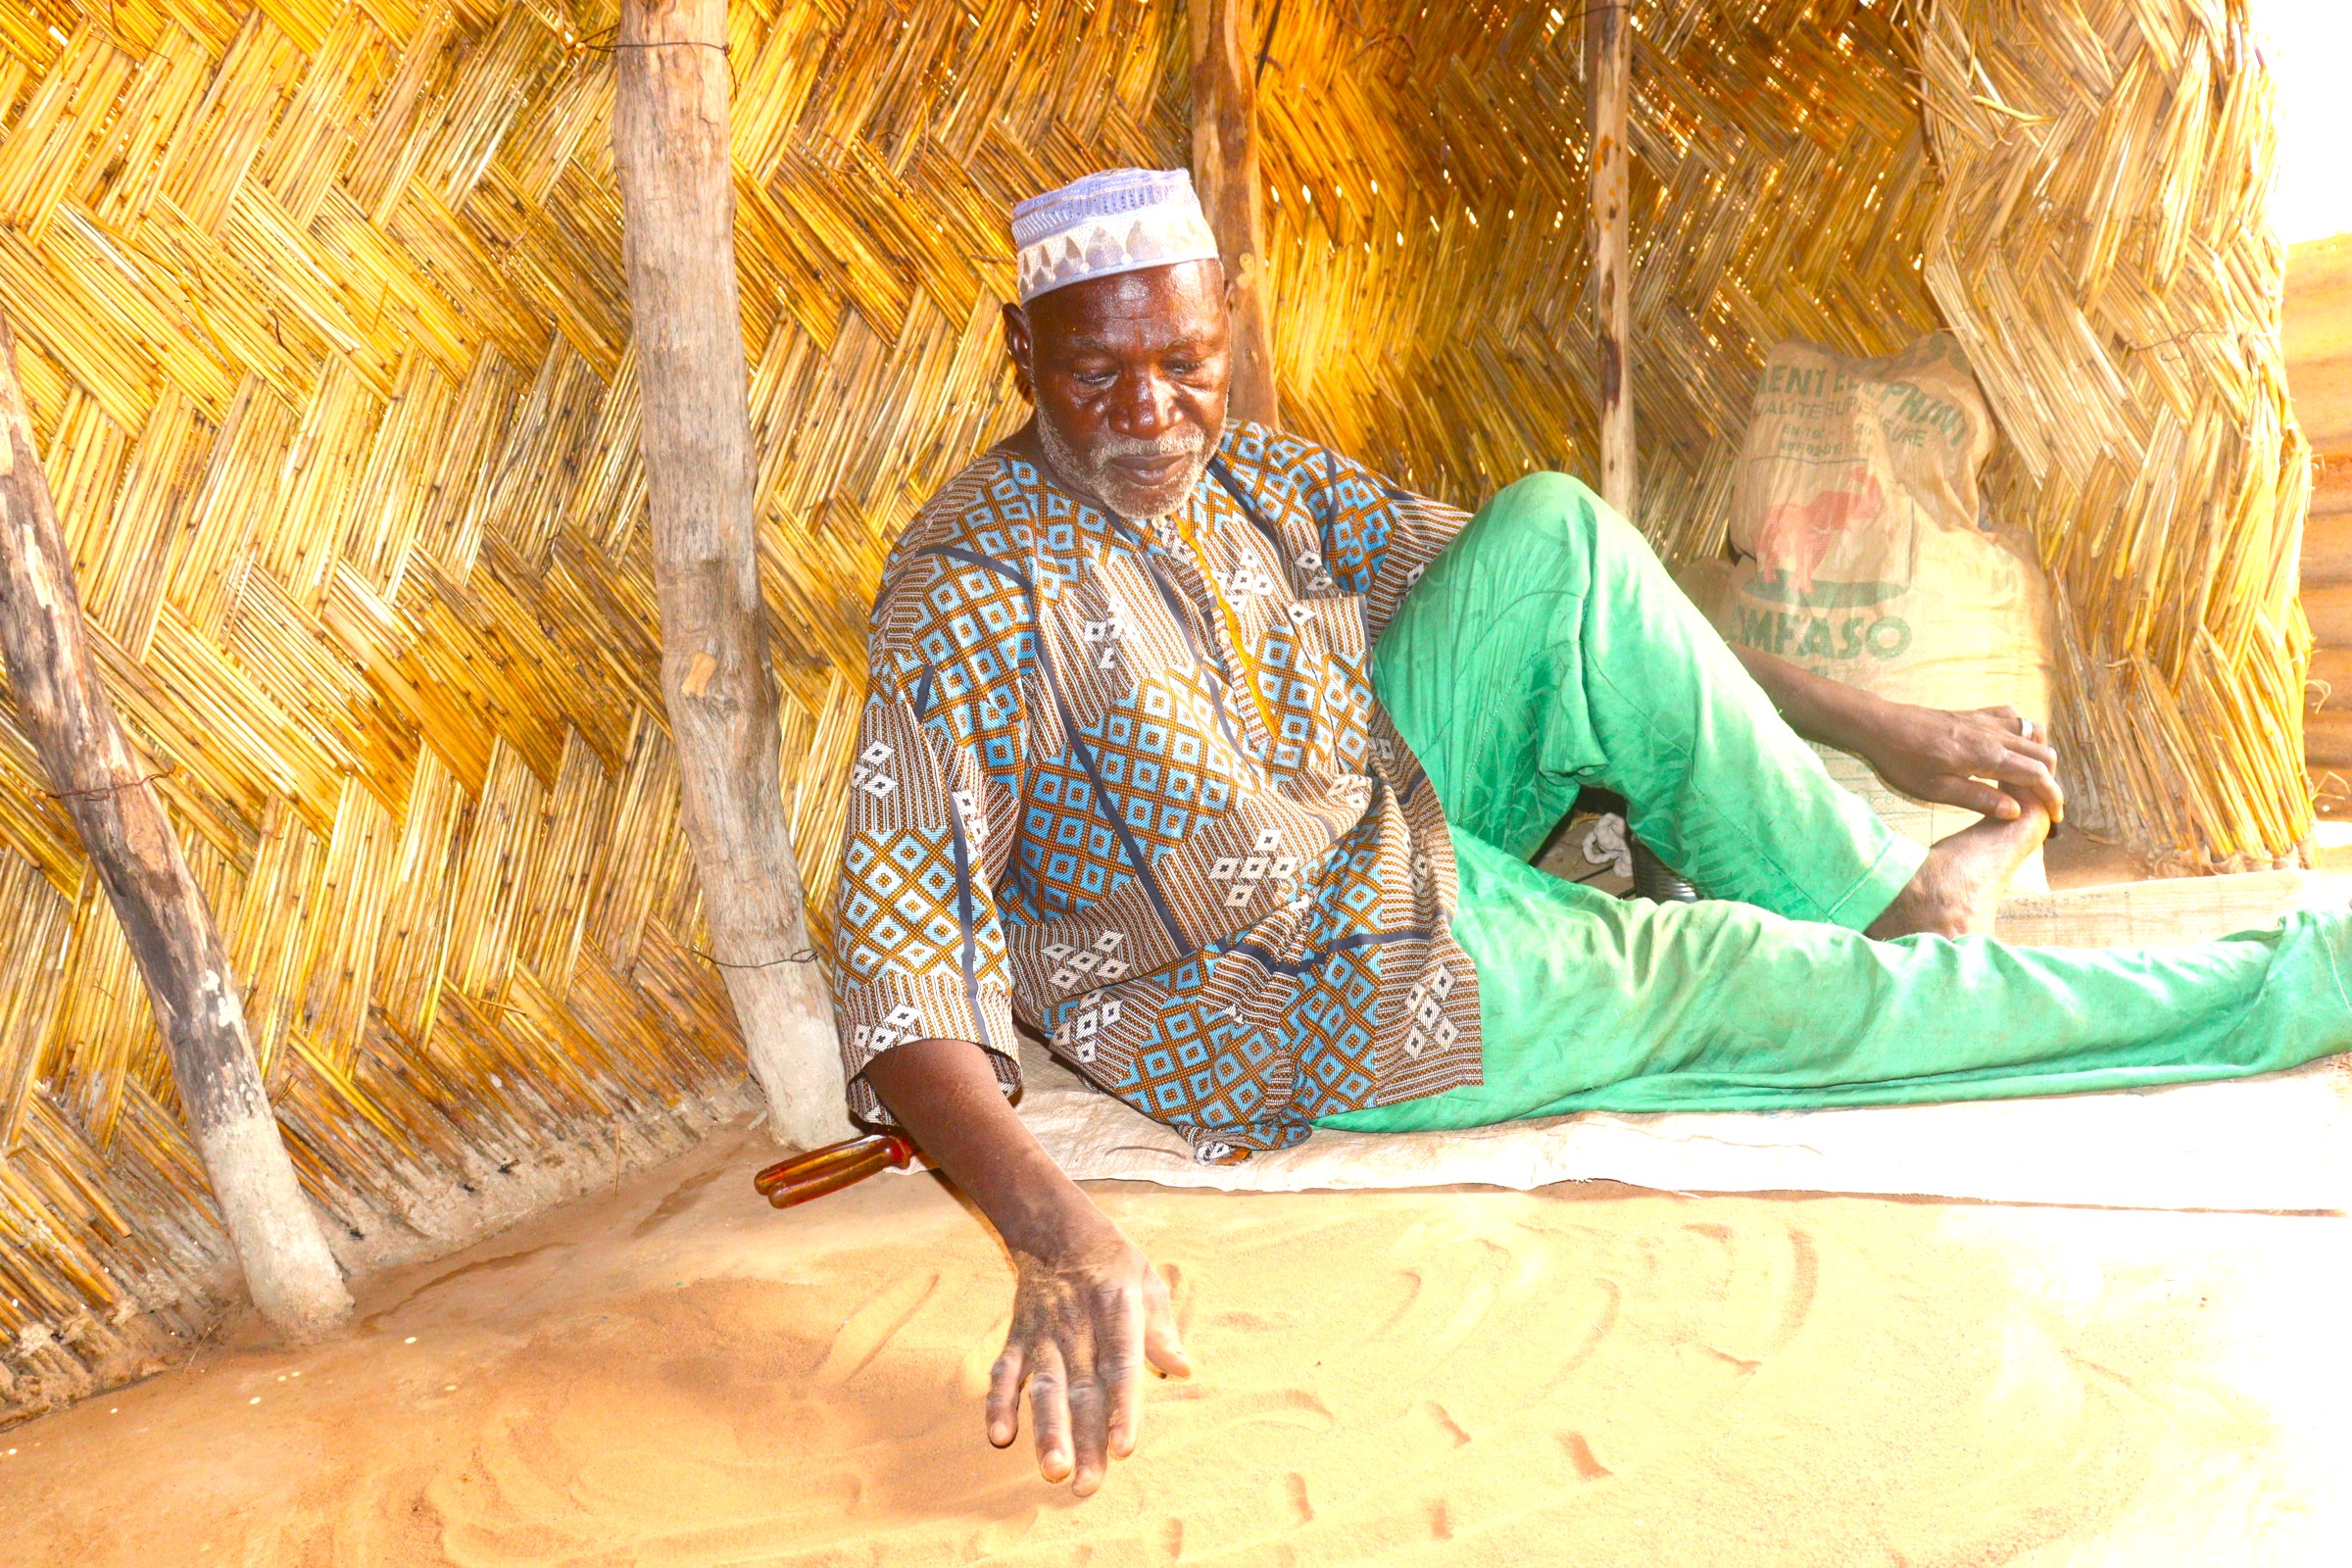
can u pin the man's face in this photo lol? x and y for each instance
(1129, 374)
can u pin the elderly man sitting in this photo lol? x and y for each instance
(1216, 759)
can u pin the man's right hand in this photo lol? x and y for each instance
(1088, 1312)
(1087, 1318)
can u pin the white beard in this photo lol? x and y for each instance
(1106, 484)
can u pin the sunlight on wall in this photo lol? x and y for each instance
(2311, 50)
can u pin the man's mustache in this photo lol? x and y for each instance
(1111, 447)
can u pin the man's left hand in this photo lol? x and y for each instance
(1958, 758)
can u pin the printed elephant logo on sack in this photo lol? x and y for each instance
(1798, 535)
(1795, 538)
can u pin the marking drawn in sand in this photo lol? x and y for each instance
(1580, 1455)
(1804, 1280)
(498, 1265)
(871, 1329)
(1446, 1422)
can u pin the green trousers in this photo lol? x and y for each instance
(1548, 650)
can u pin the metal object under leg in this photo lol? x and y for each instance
(1654, 879)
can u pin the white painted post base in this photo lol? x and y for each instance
(293, 1278)
(787, 1020)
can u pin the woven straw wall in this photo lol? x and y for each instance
(2103, 249)
(2087, 208)
(325, 329)
(1434, 314)
(323, 325)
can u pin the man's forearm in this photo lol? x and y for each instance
(945, 1092)
(1987, 760)
(1817, 707)
(1090, 1314)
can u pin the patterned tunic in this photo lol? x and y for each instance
(1128, 784)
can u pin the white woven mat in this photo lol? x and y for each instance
(2281, 1142)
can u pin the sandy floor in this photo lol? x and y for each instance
(673, 1374)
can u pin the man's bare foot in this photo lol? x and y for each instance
(1960, 884)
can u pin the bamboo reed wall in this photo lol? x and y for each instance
(2077, 188)
(2102, 248)
(325, 336)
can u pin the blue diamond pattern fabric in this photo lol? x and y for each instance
(1125, 782)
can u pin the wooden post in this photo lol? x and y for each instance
(1225, 173)
(68, 717)
(677, 198)
(1608, 89)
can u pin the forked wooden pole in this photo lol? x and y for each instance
(677, 199)
(1225, 173)
(1608, 89)
(68, 717)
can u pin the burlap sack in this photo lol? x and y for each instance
(1864, 553)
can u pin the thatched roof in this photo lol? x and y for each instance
(326, 333)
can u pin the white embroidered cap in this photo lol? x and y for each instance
(1119, 221)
